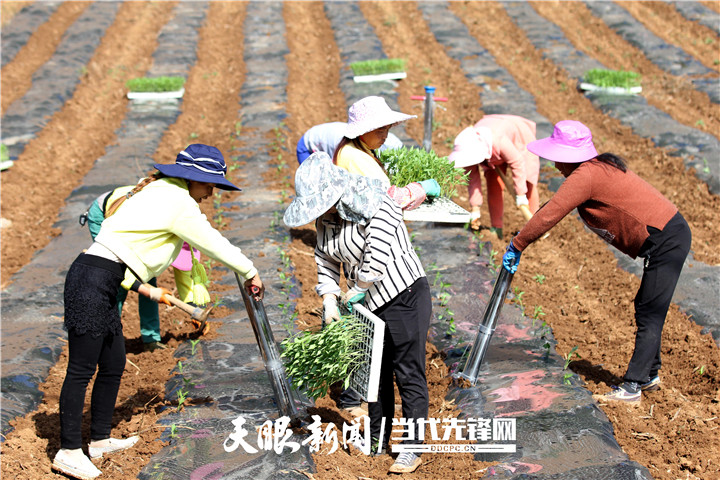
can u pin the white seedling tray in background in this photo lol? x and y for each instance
(589, 87)
(156, 95)
(365, 379)
(379, 77)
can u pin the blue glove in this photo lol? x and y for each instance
(431, 187)
(511, 259)
(353, 296)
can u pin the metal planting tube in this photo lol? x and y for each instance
(429, 107)
(286, 397)
(486, 328)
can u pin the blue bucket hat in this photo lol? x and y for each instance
(199, 163)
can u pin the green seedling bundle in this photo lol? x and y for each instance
(612, 78)
(155, 84)
(406, 165)
(316, 360)
(377, 67)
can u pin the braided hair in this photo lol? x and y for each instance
(141, 184)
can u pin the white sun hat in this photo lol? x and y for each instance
(472, 146)
(371, 113)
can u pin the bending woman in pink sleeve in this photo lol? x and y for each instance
(497, 143)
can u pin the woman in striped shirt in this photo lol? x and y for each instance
(361, 229)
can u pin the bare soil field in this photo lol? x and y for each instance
(587, 299)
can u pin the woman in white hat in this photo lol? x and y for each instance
(145, 237)
(369, 121)
(629, 214)
(361, 230)
(496, 144)
(325, 137)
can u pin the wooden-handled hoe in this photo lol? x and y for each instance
(199, 315)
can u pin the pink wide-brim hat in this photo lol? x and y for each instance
(371, 113)
(183, 261)
(570, 142)
(472, 146)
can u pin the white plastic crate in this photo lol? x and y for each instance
(366, 377)
(441, 210)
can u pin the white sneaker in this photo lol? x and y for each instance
(75, 463)
(406, 462)
(97, 448)
(356, 411)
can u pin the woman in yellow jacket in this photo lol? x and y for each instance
(369, 122)
(144, 236)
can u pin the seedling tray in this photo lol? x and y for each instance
(590, 87)
(441, 210)
(365, 379)
(379, 77)
(156, 95)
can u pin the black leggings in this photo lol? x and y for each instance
(664, 252)
(407, 320)
(107, 353)
(95, 341)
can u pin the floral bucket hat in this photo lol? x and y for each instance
(320, 185)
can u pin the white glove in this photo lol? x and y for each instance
(474, 215)
(521, 200)
(157, 294)
(331, 313)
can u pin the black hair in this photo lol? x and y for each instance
(613, 160)
(344, 141)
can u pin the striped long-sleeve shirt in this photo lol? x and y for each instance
(379, 252)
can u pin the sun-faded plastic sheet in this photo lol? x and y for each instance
(698, 149)
(230, 370)
(54, 83)
(17, 33)
(561, 432)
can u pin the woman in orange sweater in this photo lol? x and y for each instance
(629, 214)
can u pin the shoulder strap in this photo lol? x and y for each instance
(116, 204)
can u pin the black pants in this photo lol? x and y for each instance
(407, 319)
(664, 252)
(349, 398)
(94, 343)
(87, 353)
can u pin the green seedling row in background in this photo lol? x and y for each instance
(156, 84)
(376, 67)
(612, 78)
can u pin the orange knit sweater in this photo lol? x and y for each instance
(616, 205)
